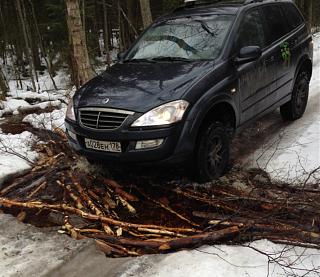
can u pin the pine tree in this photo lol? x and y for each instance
(145, 13)
(81, 68)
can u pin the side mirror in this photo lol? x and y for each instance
(248, 54)
(121, 56)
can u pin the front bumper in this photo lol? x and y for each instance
(165, 153)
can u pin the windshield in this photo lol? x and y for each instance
(196, 38)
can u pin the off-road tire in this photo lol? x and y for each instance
(212, 152)
(295, 108)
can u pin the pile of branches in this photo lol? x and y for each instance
(131, 217)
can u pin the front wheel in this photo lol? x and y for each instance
(212, 153)
(295, 108)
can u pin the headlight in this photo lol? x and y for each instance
(70, 111)
(163, 115)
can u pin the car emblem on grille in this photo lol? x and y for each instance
(106, 101)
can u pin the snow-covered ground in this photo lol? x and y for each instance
(229, 261)
(16, 155)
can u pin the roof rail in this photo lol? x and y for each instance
(193, 3)
(252, 1)
(197, 2)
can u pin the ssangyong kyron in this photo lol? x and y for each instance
(192, 79)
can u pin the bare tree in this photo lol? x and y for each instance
(146, 13)
(81, 68)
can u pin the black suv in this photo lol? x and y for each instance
(190, 80)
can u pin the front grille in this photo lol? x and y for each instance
(102, 119)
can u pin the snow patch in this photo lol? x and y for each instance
(15, 106)
(47, 121)
(16, 154)
(231, 261)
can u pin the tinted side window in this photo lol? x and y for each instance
(275, 21)
(292, 14)
(251, 32)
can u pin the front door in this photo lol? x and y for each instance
(256, 78)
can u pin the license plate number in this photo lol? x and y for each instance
(106, 146)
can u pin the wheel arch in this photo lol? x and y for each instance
(222, 111)
(305, 63)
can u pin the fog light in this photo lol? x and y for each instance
(72, 135)
(144, 144)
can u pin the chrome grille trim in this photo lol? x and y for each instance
(102, 118)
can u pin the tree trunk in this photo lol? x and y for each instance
(43, 52)
(23, 21)
(146, 13)
(82, 71)
(3, 85)
(106, 32)
(120, 39)
(310, 13)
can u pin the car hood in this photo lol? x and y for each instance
(140, 87)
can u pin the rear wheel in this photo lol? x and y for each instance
(212, 153)
(295, 108)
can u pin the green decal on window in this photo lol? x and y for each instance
(285, 52)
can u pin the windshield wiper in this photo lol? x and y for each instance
(140, 60)
(172, 59)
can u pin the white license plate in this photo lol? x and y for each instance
(106, 146)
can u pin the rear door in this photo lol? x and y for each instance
(254, 78)
(280, 46)
(296, 43)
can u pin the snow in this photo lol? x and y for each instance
(15, 106)
(42, 96)
(48, 121)
(16, 154)
(230, 261)
(44, 83)
(294, 152)
(12, 105)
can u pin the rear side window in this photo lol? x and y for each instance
(293, 16)
(275, 21)
(251, 32)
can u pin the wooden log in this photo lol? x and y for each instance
(108, 249)
(21, 181)
(38, 189)
(91, 205)
(118, 189)
(167, 208)
(211, 202)
(200, 239)
(174, 244)
(72, 195)
(34, 184)
(68, 209)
